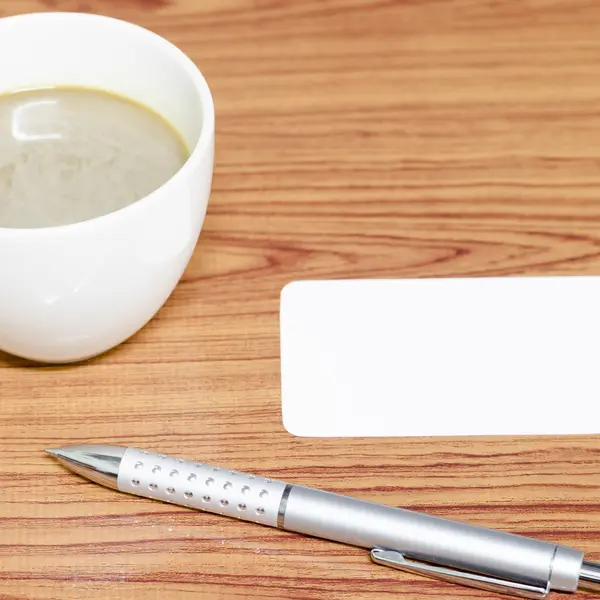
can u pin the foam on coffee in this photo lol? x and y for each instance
(72, 154)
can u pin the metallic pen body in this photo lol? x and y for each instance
(403, 539)
(430, 539)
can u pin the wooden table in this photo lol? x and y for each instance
(354, 139)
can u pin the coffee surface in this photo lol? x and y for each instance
(69, 155)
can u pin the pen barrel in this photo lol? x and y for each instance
(432, 539)
(349, 520)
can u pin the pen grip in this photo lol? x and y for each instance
(200, 486)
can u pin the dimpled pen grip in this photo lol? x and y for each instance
(200, 486)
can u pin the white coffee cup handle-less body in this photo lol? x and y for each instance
(72, 292)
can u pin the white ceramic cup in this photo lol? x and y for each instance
(72, 292)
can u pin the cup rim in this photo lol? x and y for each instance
(196, 154)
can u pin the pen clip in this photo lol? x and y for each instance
(396, 560)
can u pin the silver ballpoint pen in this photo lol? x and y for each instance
(398, 538)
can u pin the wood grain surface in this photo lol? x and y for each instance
(355, 138)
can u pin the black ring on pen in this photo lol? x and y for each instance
(283, 505)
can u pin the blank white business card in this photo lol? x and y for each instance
(441, 357)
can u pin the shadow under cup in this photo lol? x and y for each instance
(72, 292)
